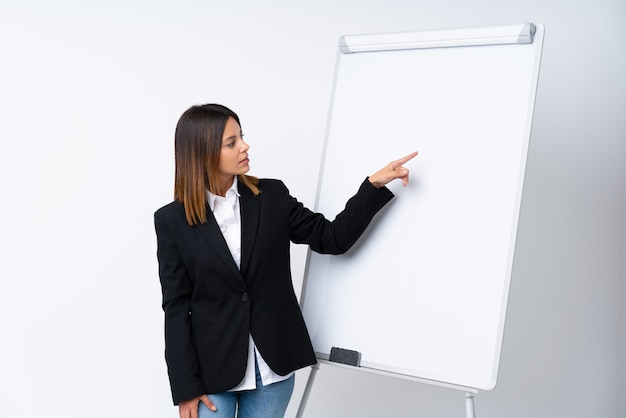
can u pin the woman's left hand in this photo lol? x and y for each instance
(393, 170)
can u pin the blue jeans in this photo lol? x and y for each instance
(263, 402)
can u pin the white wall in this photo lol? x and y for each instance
(89, 96)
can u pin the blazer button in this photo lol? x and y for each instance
(244, 297)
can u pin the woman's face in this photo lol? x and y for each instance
(234, 152)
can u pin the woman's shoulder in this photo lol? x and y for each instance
(271, 186)
(271, 183)
(171, 209)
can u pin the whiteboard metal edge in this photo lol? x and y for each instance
(539, 36)
(400, 376)
(489, 35)
(320, 177)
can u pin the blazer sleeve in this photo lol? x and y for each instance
(177, 287)
(337, 236)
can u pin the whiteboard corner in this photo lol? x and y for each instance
(344, 48)
(491, 384)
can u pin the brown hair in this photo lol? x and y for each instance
(197, 145)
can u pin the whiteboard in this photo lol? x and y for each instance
(424, 292)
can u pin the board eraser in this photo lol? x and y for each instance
(341, 355)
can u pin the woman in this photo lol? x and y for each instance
(234, 333)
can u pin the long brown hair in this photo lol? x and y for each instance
(197, 145)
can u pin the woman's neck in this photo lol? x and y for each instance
(225, 185)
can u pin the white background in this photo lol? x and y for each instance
(89, 96)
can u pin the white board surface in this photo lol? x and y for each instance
(424, 292)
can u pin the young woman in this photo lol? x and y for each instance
(234, 333)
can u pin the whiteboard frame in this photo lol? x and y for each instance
(497, 35)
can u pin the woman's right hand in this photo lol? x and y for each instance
(392, 171)
(189, 408)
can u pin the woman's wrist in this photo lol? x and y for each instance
(375, 183)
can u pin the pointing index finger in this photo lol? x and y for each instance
(406, 158)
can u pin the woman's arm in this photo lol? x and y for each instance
(177, 287)
(337, 236)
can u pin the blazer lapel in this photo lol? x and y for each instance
(212, 233)
(250, 208)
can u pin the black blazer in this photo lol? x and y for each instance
(210, 305)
